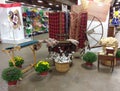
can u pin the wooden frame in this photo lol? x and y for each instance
(111, 58)
(10, 51)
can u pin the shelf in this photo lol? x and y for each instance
(35, 33)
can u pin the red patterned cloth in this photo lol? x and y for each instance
(73, 25)
(57, 25)
(78, 25)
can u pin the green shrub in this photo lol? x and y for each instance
(42, 66)
(11, 74)
(18, 61)
(118, 54)
(90, 57)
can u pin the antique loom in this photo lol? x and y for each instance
(10, 51)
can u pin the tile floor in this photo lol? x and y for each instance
(76, 79)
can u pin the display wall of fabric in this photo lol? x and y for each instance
(67, 22)
(82, 31)
(80, 20)
(61, 23)
(57, 25)
(78, 25)
(73, 25)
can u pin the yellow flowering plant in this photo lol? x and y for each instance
(42, 66)
(18, 61)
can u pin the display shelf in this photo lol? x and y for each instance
(35, 20)
(35, 33)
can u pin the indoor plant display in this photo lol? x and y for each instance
(11, 75)
(89, 58)
(42, 67)
(18, 61)
(118, 55)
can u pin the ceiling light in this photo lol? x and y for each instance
(49, 8)
(42, 7)
(117, 3)
(50, 4)
(34, 5)
(7, 1)
(57, 5)
(40, 1)
(22, 3)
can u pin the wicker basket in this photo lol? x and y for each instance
(62, 67)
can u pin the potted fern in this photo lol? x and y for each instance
(18, 61)
(89, 58)
(42, 67)
(11, 75)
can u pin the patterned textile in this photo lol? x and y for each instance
(82, 30)
(78, 25)
(57, 25)
(77, 9)
(67, 22)
(73, 25)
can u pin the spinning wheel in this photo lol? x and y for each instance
(94, 31)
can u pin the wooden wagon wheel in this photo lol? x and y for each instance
(94, 31)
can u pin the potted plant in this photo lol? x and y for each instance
(118, 55)
(89, 58)
(11, 75)
(18, 61)
(42, 67)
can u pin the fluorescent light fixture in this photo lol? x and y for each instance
(49, 8)
(117, 3)
(40, 1)
(57, 5)
(50, 4)
(34, 5)
(42, 7)
(22, 3)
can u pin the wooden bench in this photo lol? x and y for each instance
(10, 51)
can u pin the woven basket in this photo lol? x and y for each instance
(62, 67)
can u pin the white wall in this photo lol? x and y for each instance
(9, 34)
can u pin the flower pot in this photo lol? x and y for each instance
(12, 82)
(89, 64)
(20, 66)
(117, 59)
(44, 73)
(62, 67)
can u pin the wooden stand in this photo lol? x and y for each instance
(103, 58)
(111, 31)
(10, 52)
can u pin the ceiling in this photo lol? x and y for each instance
(116, 3)
(56, 4)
